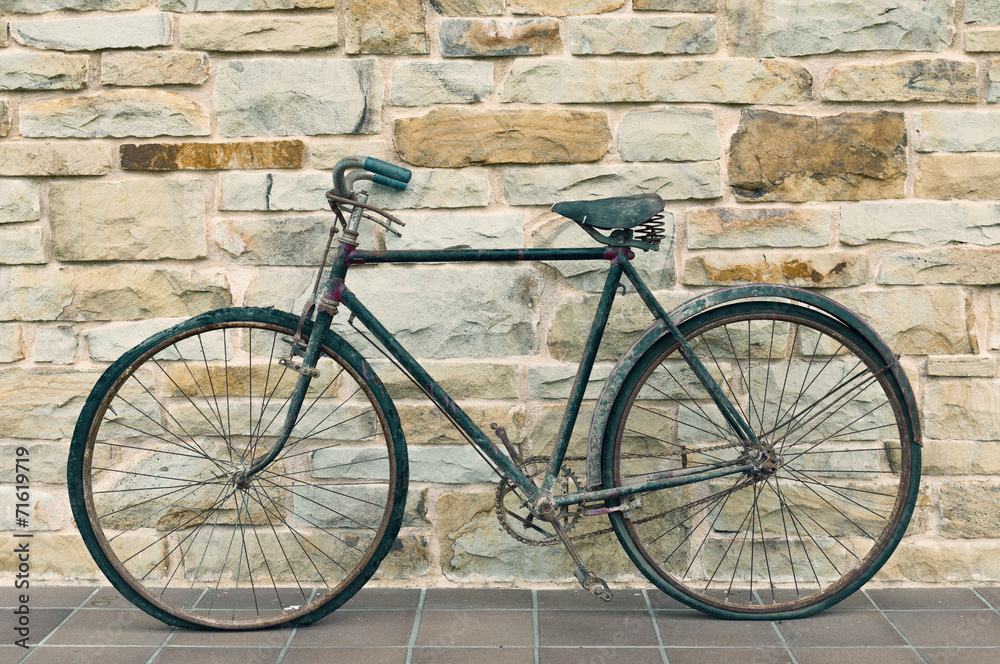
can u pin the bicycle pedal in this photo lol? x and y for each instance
(593, 584)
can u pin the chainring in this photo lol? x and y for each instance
(514, 511)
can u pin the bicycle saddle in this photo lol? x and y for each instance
(612, 213)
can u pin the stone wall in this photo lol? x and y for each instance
(162, 159)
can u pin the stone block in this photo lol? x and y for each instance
(465, 38)
(426, 83)
(993, 92)
(962, 410)
(501, 136)
(433, 189)
(545, 185)
(57, 159)
(957, 131)
(212, 156)
(138, 68)
(5, 118)
(957, 366)
(563, 7)
(468, 7)
(965, 176)
(295, 97)
(938, 79)
(109, 342)
(807, 270)
(18, 201)
(851, 156)
(655, 268)
(710, 6)
(43, 6)
(55, 345)
(921, 321)
(669, 135)
(47, 512)
(969, 510)
(270, 241)
(142, 219)
(960, 457)
(324, 154)
(460, 230)
(21, 245)
(263, 34)
(48, 462)
(984, 12)
(461, 380)
(26, 70)
(642, 35)
(11, 344)
(768, 28)
(116, 113)
(122, 292)
(386, 27)
(42, 404)
(597, 81)
(408, 559)
(94, 33)
(735, 228)
(55, 556)
(554, 381)
(242, 5)
(426, 425)
(930, 224)
(959, 265)
(983, 40)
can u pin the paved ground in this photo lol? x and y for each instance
(897, 626)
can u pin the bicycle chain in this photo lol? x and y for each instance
(576, 538)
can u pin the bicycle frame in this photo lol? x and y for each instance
(337, 293)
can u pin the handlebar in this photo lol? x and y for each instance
(376, 170)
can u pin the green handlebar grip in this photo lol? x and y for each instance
(388, 170)
(388, 182)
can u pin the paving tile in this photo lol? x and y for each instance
(485, 598)
(581, 600)
(661, 600)
(902, 599)
(352, 655)
(948, 628)
(108, 598)
(476, 628)
(11, 653)
(841, 628)
(90, 655)
(384, 599)
(97, 627)
(695, 629)
(477, 655)
(596, 628)
(992, 596)
(599, 655)
(903, 655)
(740, 655)
(258, 638)
(258, 655)
(358, 628)
(41, 622)
(961, 655)
(46, 597)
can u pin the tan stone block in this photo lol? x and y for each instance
(409, 558)
(21, 245)
(271, 241)
(468, 7)
(461, 380)
(153, 68)
(969, 510)
(563, 7)
(242, 5)
(725, 228)
(55, 345)
(47, 461)
(955, 365)
(994, 78)
(929, 224)
(11, 343)
(26, 70)
(116, 113)
(504, 136)
(676, 5)
(264, 34)
(910, 80)
(53, 555)
(982, 40)
(19, 201)
(957, 131)
(962, 410)
(827, 270)
(212, 156)
(42, 404)
(95, 33)
(669, 135)
(965, 176)
(464, 38)
(385, 27)
(923, 561)
(62, 158)
(125, 292)
(146, 219)
(960, 457)
(325, 154)
(642, 35)
(425, 425)
(777, 156)
(43, 6)
(5, 118)
(967, 266)
(984, 12)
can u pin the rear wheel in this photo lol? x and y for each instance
(833, 487)
(156, 480)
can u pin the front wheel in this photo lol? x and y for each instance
(158, 475)
(830, 493)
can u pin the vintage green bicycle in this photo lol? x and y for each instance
(756, 450)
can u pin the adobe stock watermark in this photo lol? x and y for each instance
(22, 547)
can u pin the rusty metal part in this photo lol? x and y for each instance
(501, 433)
(529, 523)
(333, 198)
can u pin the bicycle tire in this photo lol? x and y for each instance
(796, 537)
(154, 481)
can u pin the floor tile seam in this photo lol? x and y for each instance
(900, 632)
(57, 627)
(784, 642)
(535, 629)
(416, 625)
(656, 627)
(988, 602)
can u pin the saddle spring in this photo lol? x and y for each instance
(651, 230)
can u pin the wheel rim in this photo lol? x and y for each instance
(166, 493)
(825, 502)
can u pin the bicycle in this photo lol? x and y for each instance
(757, 450)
